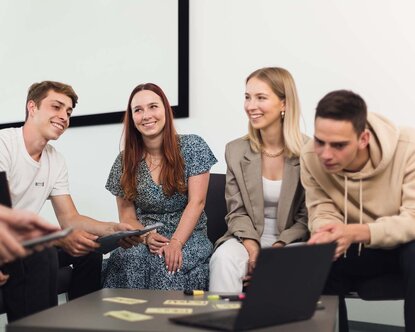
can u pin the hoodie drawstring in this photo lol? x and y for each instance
(360, 212)
(345, 206)
(346, 194)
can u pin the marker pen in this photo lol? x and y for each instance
(194, 292)
(239, 297)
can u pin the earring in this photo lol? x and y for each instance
(282, 115)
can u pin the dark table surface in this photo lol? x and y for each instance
(86, 314)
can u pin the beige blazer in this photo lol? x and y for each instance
(245, 199)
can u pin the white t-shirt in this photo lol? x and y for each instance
(31, 183)
(272, 190)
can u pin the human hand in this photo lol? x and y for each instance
(321, 237)
(252, 247)
(127, 242)
(246, 280)
(17, 226)
(27, 224)
(155, 242)
(278, 244)
(78, 243)
(338, 233)
(10, 247)
(173, 255)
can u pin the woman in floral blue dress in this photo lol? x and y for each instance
(160, 177)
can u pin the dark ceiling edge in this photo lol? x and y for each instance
(180, 111)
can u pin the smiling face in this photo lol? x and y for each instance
(338, 146)
(262, 105)
(149, 114)
(51, 116)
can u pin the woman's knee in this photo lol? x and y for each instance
(229, 254)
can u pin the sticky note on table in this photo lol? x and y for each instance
(227, 306)
(127, 315)
(123, 300)
(186, 302)
(175, 311)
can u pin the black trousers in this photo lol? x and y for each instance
(86, 275)
(32, 285)
(346, 273)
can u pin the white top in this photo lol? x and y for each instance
(31, 183)
(272, 190)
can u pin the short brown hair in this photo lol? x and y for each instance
(38, 91)
(344, 105)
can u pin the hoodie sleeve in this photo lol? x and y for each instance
(390, 231)
(321, 208)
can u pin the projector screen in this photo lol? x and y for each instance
(102, 48)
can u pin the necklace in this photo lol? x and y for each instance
(152, 165)
(151, 169)
(272, 155)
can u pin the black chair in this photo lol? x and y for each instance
(64, 279)
(215, 207)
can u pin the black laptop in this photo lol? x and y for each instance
(285, 287)
(4, 190)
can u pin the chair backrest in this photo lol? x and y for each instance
(215, 207)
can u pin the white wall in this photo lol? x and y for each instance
(58, 40)
(367, 46)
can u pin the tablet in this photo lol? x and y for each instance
(111, 242)
(29, 244)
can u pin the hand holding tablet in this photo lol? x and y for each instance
(111, 242)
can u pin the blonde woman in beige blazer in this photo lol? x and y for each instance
(264, 195)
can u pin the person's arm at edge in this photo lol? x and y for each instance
(390, 231)
(17, 226)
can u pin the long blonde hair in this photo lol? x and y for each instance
(282, 84)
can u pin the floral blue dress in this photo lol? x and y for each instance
(137, 267)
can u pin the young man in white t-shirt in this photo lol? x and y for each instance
(37, 172)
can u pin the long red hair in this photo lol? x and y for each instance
(172, 172)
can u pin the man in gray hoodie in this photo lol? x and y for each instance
(359, 177)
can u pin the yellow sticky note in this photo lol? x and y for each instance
(186, 302)
(227, 306)
(127, 315)
(175, 311)
(123, 300)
